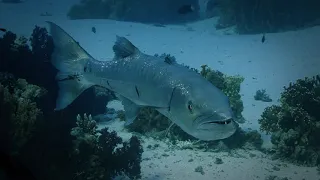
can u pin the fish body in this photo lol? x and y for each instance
(140, 80)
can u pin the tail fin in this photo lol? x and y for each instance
(70, 59)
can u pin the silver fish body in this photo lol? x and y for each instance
(139, 80)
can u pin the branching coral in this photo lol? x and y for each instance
(295, 123)
(102, 154)
(42, 44)
(261, 95)
(19, 111)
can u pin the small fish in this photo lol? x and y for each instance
(93, 29)
(141, 80)
(185, 9)
(263, 39)
(3, 30)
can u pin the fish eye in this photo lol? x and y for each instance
(190, 106)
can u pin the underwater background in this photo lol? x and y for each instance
(263, 54)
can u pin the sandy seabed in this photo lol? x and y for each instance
(282, 58)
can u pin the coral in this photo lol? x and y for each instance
(261, 16)
(28, 63)
(19, 110)
(41, 44)
(46, 144)
(230, 85)
(149, 120)
(261, 95)
(295, 124)
(85, 125)
(102, 154)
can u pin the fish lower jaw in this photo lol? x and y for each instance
(213, 125)
(228, 121)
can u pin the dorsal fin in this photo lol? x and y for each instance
(124, 48)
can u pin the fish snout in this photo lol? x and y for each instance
(208, 128)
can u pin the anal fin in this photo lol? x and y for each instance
(131, 110)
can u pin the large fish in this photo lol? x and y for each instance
(139, 80)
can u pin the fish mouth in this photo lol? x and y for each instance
(228, 121)
(204, 122)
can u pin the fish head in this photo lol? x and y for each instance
(205, 113)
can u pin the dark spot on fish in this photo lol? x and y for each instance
(109, 84)
(263, 38)
(85, 69)
(137, 91)
(169, 106)
(3, 30)
(93, 29)
(185, 9)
